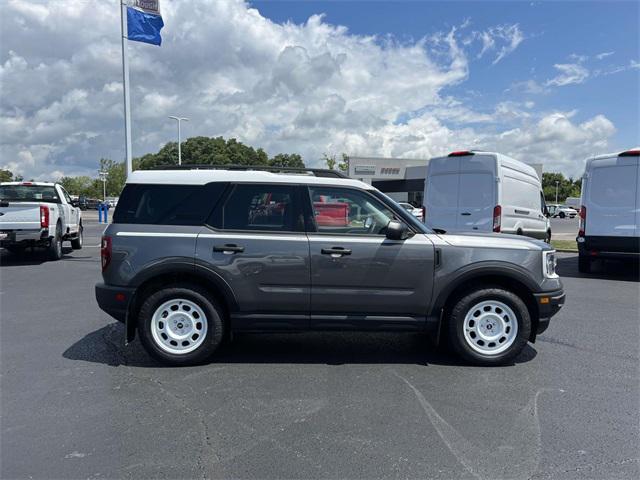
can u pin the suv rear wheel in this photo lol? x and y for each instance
(489, 326)
(180, 325)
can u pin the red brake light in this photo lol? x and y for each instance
(105, 252)
(497, 218)
(26, 183)
(630, 153)
(583, 220)
(461, 153)
(44, 216)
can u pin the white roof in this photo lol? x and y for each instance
(201, 177)
(609, 155)
(37, 184)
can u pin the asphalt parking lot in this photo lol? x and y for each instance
(76, 403)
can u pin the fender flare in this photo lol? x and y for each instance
(178, 265)
(468, 273)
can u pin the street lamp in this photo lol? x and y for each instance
(179, 119)
(103, 177)
(557, 182)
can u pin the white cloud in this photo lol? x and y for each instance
(603, 55)
(570, 73)
(308, 88)
(503, 38)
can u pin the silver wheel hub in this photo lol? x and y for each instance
(490, 327)
(179, 326)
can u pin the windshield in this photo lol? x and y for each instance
(29, 193)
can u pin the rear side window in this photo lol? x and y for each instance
(167, 204)
(262, 207)
(614, 186)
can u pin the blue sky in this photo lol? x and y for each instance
(554, 31)
(551, 82)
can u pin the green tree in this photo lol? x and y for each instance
(566, 187)
(291, 160)
(77, 185)
(331, 162)
(6, 176)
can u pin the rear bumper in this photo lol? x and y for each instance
(609, 247)
(114, 300)
(549, 303)
(9, 237)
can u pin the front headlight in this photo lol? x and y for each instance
(549, 264)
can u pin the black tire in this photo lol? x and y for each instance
(55, 245)
(214, 324)
(562, 215)
(547, 239)
(456, 325)
(77, 242)
(584, 264)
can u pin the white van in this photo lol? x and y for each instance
(610, 212)
(485, 191)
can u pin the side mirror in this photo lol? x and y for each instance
(397, 230)
(75, 203)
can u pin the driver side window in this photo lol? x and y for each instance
(343, 211)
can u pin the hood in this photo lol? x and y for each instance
(494, 240)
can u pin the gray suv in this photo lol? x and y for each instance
(195, 254)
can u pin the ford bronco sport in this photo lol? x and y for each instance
(194, 254)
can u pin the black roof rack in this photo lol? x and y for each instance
(318, 172)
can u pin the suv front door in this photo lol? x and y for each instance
(256, 244)
(360, 278)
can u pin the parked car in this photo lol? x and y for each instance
(185, 263)
(415, 211)
(38, 214)
(561, 211)
(573, 202)
(610, 212)
(485, 192)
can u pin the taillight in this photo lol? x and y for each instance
(583, 221)
(461, 153)
(44, 216)
(105, 252)
(497, 218)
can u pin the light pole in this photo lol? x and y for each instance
(179, 119)
(103, 177)
(557, 182)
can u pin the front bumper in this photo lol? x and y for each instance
(114, 300)
(549, 303)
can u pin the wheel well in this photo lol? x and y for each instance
(506, 283)
(179, 278)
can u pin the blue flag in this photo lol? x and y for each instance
(144, 22)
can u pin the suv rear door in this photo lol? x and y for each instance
(359, 278)
(255, 242)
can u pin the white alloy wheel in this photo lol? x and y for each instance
(179, 326)
(490, 327)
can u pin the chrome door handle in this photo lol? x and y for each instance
(336, 251)
(228, 249)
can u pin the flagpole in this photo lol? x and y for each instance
(125, 86)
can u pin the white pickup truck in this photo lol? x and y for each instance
(38, 214)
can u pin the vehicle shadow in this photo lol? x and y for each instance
(36, 257)
(601, 269)
(106, 346)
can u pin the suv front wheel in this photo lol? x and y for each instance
(489, 326)
(180, 325)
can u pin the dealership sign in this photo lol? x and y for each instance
(365, 170)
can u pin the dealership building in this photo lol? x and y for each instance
(400, 178)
